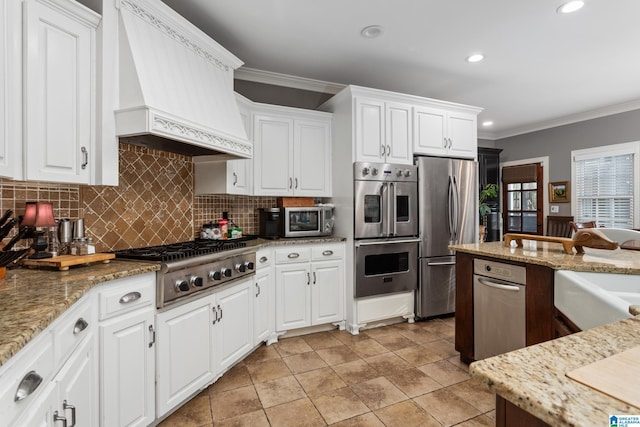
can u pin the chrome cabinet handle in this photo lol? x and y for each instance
(130, 297)
(57, 418)
(388, 150)
(66, 406)
(308, 278)
(314, 277)
(382, 150)
(215, 315)
(235, 179)
(290, 183)
(85, 157)
(219, 311)
(293, 255)
(296, 183)
(28, 385)
(258, 287)
(327, 253)
(153, 335)
(263, 259)
(80, 326)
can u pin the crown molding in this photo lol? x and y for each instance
(566, 120)
(286, 80)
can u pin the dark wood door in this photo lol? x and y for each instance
(522, 199)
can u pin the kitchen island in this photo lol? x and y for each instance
(530, 383)
(533, 379)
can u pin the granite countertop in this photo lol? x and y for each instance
(31, 299)
(552, 255)
(533, 378)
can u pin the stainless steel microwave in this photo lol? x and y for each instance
(306, 221)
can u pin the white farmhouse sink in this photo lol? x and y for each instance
(595, 299)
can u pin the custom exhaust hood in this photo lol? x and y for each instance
(176, 85)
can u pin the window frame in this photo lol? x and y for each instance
(609, 151)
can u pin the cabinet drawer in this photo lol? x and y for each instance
(35, 358)
(264, 258)
(292, 254)
(327, 252)
(71, 329)
(124, 295)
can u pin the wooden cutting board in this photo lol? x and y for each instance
(63, 262)
(618, 376)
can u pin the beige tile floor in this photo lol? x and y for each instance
(400, 375)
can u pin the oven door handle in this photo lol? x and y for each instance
(384, 196)
(392, 208)
(387, 242)
(431, 264)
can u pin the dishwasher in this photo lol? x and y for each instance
(498, 308)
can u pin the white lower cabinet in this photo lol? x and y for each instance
(127, 367)
(234, 334)
(199, 340)
(185, 358)
(68, 384)
(309, 285)
(263, 303)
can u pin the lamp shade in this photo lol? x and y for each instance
(38, 214)
(29, 217)
(44, 215)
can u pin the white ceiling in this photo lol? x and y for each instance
(541, 69)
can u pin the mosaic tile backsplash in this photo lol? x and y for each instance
(153, 204)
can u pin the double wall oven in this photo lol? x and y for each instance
(385, 228)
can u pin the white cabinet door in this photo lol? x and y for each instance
(327, 292)
(370, 132)
(127, 370)
(60, 94)
(273, 160)
(11, 89)
(185, 359)
(78, 386)
(463, 133)
(234, 326)
(293, 295)
(430, 131)
(312, 158)
(263, 306)
(239, 176)
(398, 148)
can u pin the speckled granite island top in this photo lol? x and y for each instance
(31, 299)
(533, 378)
(551, 255)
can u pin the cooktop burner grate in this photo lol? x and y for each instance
(182, 250)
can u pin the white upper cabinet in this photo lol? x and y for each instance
(292, 152)
(440, 132)
(10, 88)
(383, 131)
(393, 127)
(60, 76)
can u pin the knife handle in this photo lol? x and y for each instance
(21, 233)
(5, 229)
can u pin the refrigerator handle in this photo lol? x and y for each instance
(456, 204)
(450, 207)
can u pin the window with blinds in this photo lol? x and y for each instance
(604, 188)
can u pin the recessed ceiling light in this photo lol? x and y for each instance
(476, 57)
(372, 31)
(487, 123)
(570, 7)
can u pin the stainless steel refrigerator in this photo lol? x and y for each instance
(447, 212)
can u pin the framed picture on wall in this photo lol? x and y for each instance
(559, 192)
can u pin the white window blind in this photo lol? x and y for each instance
(604, 187)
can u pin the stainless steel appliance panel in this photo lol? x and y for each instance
(499, 322)
(437, 291)
(447, 196)
(386, 266)
(385, 200)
